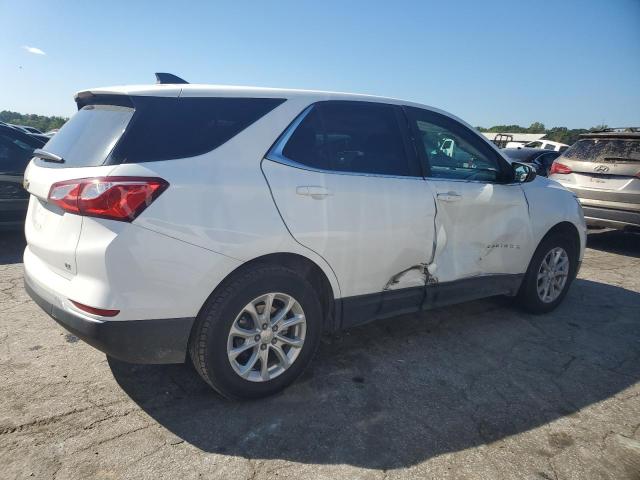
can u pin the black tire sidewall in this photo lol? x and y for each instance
(219, 369)
(529, 291)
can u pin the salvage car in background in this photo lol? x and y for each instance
(539, 159)
(236, 224)
(603, 169)
(16, 149)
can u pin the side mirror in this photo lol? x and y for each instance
(523, 173)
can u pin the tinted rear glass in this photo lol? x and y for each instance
(603, 149)
(344, 136)
(89, 136)
(169, 128)
(156, 128)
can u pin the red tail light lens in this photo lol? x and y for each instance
(95, 311)
(559, 168)
(115, 198)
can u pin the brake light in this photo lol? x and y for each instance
(95, 311)
(115, 198)
(559, 168)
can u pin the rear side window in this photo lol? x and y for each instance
(356, 137)
(169, 128)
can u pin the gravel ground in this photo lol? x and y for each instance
(475, 391)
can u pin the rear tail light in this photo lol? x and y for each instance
(559, 168)
(115, 198)
(95, 311)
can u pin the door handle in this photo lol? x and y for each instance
(315, 192)
(449, 197)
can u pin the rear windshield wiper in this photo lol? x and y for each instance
(47, 156)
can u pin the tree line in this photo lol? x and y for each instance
(555, 134)
(41, 122)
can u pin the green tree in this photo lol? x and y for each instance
(536, 127)
(41, 122)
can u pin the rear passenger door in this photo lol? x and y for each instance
(346, 181)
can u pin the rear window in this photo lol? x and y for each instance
(89, 136)
(153, 129)
(604, 149)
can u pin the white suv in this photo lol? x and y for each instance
(234, 225)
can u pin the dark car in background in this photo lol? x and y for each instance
(16, 150)
(538, 158)
(603, 169)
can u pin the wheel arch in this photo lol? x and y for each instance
(304, 266)
(565, 228)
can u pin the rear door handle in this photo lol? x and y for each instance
(449, 197)
(313, 192)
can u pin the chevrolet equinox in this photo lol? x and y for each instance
(234, 225)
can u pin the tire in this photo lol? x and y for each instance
(528, 296)
(211, 338)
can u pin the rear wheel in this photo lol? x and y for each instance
(257, 332)
(550, 273)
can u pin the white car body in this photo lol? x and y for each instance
(547, 145)
(370, 235)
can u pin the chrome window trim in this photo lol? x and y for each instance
(276, 154)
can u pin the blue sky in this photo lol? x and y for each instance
(564, 63)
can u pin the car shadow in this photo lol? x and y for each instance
(12, 244)
(615, 241)
(394, 393)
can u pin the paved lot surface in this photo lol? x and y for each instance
(477, 391)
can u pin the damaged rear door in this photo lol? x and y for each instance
(482, 220)
(348, 186)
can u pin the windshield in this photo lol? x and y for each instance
(604, 149)
(89, 136)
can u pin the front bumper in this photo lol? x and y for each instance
(135, 341)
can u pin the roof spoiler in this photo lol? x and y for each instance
(168, 78)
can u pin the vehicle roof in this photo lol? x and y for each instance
(205, 90)
(33, 140)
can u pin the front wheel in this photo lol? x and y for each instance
(257, 333)
(550, 273)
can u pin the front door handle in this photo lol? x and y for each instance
(315, 192)
(449, 197)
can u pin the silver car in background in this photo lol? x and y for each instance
(603, 169)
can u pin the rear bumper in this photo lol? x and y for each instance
(607, 217)
(135, 341)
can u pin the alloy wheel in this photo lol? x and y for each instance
(266, 337)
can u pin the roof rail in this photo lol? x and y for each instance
(168, 78)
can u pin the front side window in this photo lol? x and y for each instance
(452, 150)
(355, 137)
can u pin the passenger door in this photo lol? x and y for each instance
(348, 186)
(482, 219)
